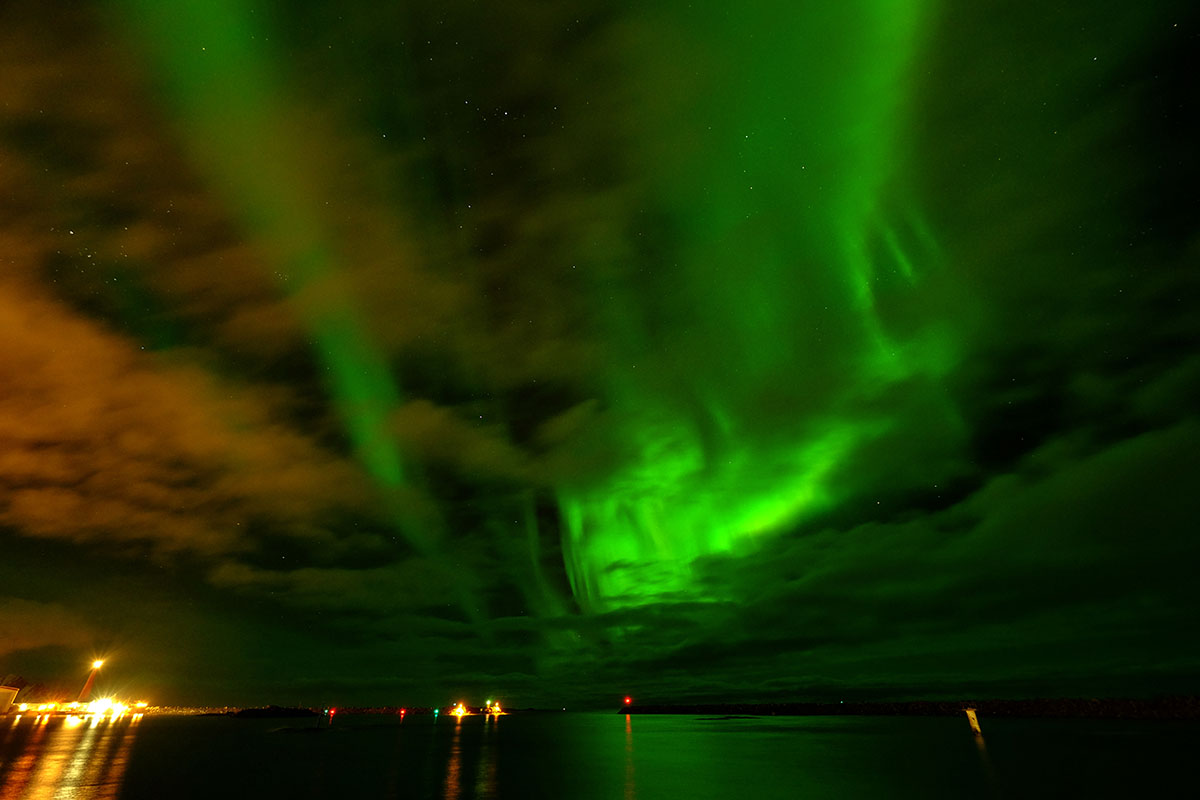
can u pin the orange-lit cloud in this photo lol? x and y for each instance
(101, 441)
(26, 625)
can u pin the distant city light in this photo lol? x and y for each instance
(100, 706)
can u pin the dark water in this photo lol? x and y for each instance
(592, 756)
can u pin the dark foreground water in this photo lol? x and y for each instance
(592, 756)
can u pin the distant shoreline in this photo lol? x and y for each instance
(1185, 707)
(1164, 708)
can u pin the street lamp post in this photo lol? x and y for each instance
(87, 687)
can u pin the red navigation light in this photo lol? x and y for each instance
(628, 700)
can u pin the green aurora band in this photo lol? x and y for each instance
(792, 233)
(217, 70)
(738, 387)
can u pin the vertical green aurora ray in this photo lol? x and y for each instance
(214, 63)
(735, 414)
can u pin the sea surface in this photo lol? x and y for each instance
(609, 756)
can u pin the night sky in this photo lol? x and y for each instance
(401, 353)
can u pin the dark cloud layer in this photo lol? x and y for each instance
(310, 426)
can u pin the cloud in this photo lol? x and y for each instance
(382, 592)
(1022, 578)
(437, 435)
(28, 625)
(105, 443)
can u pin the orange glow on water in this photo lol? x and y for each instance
(67, 756)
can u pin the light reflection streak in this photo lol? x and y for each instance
(453, 789)
(14, 785)
(988, 770)
(80, 758)
(485, 778)
(60, 743)
(112, 768)
(630, 782)
(66, 758)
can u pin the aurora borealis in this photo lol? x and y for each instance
(378, 353)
